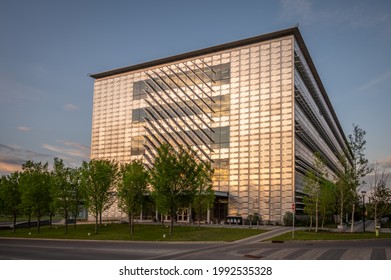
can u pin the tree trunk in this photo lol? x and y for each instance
(14, 228)
(352, 224)
(316, 216)
(131, 223)
(173, 213)
(172, 226)
(29, 221)
(39, 224)
(50, 220)
(100, 218)
(341, 218)
(96, 222)
(75, 214)
(310, 221)
(74, 221)
(66, 222)
(323, 216)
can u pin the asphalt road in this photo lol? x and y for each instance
(34, 249)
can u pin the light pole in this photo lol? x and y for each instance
(363, 209)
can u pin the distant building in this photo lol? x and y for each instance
(255, 108)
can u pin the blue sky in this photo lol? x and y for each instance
(48, 48)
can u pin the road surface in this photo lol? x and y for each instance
(35, 249)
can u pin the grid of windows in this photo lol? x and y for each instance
(254, 111)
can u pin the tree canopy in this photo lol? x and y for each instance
(63, 190)
(35, 185)
(174, 180)
(98, 180)
(10, 196)
(132, 189)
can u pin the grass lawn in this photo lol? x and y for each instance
(326, 235)
(142, 233)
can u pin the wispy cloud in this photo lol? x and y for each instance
(72, 153)
(386, 163)
(372, 84)
(74, 144)
(379, 168)
(300, 9)
(15, 92)
(24, 128)
(69, 150)
(70, 107)
(356, 16)
(12, 158)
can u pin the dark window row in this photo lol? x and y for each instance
(220, 75)
(219, 136)
(220, 107)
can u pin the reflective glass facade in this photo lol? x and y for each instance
(254, 108)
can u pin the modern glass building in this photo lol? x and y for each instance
(255, 108)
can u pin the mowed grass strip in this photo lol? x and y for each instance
(328, 235)
(142, 233)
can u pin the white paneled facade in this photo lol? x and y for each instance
(237, 106)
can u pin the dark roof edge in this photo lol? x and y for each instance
(235, 44)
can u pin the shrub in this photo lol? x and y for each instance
(288, 218)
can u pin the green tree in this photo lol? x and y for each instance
(98, 180)
(204, 195)
(380, 195)
(75, 181)
(360, 167)
(10, 196)
(288, 219)
(132, 190)
(343, 187)
(35, 189)
(62, 190)
(173, 180)
(327, 200)
(309, 200)
(314, 180)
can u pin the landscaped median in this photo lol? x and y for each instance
(327, 235)
(142, 233)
